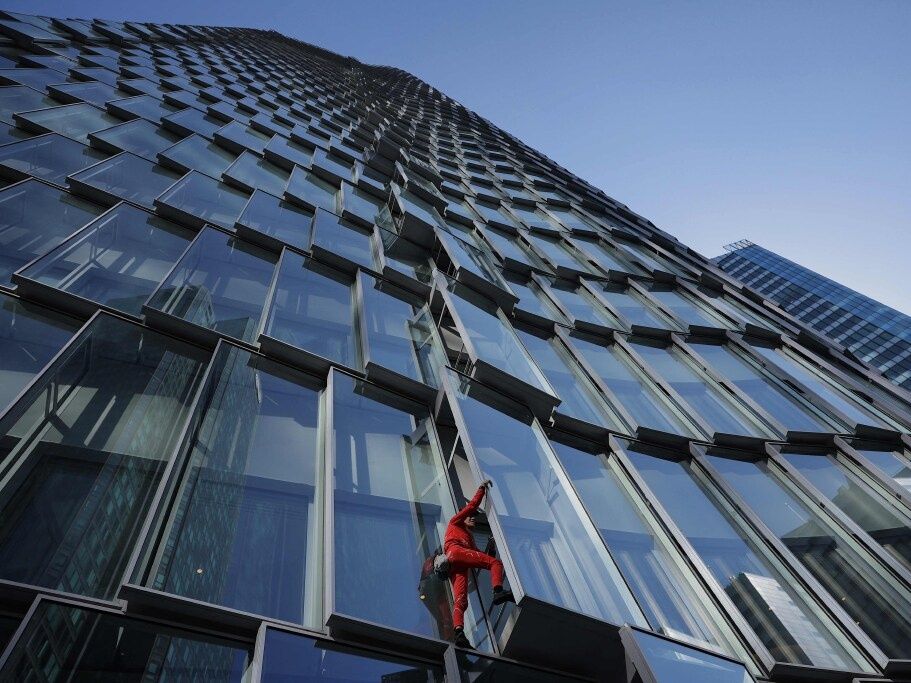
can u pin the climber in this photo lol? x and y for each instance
(462, 555)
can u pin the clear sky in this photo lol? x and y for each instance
(786, 123)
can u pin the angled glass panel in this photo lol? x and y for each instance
(341, 239)
(702, 395)
(128, 177)
(579, 397)
(671, 662)
(311, 191)
(603, 255)
(399, 331)
(634, 309)
(93, 92)
(507, 246)
(278, 219)
(192, 120)
(532, 299)
(140, 137)
(197, 153)
(854, 579)
(245, 526)
(360, 203)
(50, 157)
(66, 643)
(220, 284)
(557, 552)
(405, 257)
(35, 218)
(648, 258)
(29, 337)
(891, 464)
(557, 252)
(144, 106)
(252, 172)
(885, 522)
(784, 616)
(392, 504)
(84, 452)
(290, 153)
(531, 218)
(581, 305)
(631, 387)
(117, 260)
(289, 657)
(683, 308)
(313, 309)
(236, 136)
(19, 98)
(37, 79)
(206, 199)
(74, 121)
(470, 257)
(758, 386)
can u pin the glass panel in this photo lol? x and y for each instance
(494, 339)
(879, 518)
(313, 309)
(507, 246)
(50, 157)
(771, 599)
(682, 308)
(674, 663)
(406, 257)
(220, 284)
(19, 98)
(38, 79)
(360, 203)
(235, 134)
(632, 307)
(633, 390)
(703, 397)
(557, 252)
(245, 526)
(471, 258)
(580, 398)
(582, 306)
(772, 398)
(129, 177)
(93, 92)
(291, 658)
(311, 191)
(192, 120)
(291, 152)
(250, 172)
(35, 218)
(532, 299)
(814, 382)
(392, 504)
(664, 590)
(398, 331)
(557, 553)
(206, 199)
(143, 106)
(29, 337)
(197, 153)
(281, 220)
(649, 258)
(74, 121)
(84, 454)
(139, 137)
(342, 239)
(62, 643)
(117, 260)
(854, 579)
(892, 465)
(419, 208)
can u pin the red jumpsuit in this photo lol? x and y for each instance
(463, 555)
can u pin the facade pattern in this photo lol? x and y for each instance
(873, 332)
(268, 315)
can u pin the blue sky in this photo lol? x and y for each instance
(786, 123)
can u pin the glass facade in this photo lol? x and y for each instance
(269, 316)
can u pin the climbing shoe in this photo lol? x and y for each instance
(501, 596)
(461, 640)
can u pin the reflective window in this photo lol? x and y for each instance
(139, 137)
(634, 309)
(220, 284)
(88, 446)
(35, 218)
(250, 172)
(342, 242)
(885, 523)
(648, 258)
(65, 643)
(854, 579)
(313, 309)
(672, 662)
(197, 153)
(478, 668)
(890, 464)
(126, 176)
(289, 657)
(471, 258)
(392, 505)
(631, 387)
(277, 219)
(19, 98)
(287, 154)
(556, 551)
(760, 388)
(507, 247)
(311, 191)
(557, 252)
(143, 106)
(29, 337)
(237, 137)
(117, 260)
(683, 308)
(781, 613)
(582, 306)
(74, 121)
(192, 120)
(405, 257)
(532, 299)
(399, 331)
(204, 199)
(245, 526)
(360, 204)
(50, 157)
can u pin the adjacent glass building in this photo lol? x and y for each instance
(871, 331)
(268, 315)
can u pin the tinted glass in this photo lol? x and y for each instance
(74, 121)
(675, 663)
(129, 177)
(205, 199)
(278, 219)
(50, 157)
(632, 307)
(343, 239)
(311, 191)
(198, 153)
(139, 137)
(892, 465)
(682, 308)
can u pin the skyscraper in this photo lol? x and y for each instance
(875, 333)
(269, 315)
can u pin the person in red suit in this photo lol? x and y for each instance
(463, 554)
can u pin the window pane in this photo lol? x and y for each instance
(74, 121)
(313, 309)
(477, 668)
(140, 137)
(62, 643)
(892, 465)
(88, 451)
(245, 527)
(582, 306)
(197, 153)
(770, 599)
(854, 579)
(126, 176)
(674, 662)
(35, 218)
(205, 200)
(277, 219)
(311, 191)
(288, 657)
(632, 307)
(250, 172)
(50, 157)
(220, 284)
(684, 309)
(341, 240)
(29, 337)
(117, 260)
(19, 98)
(557, 553)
